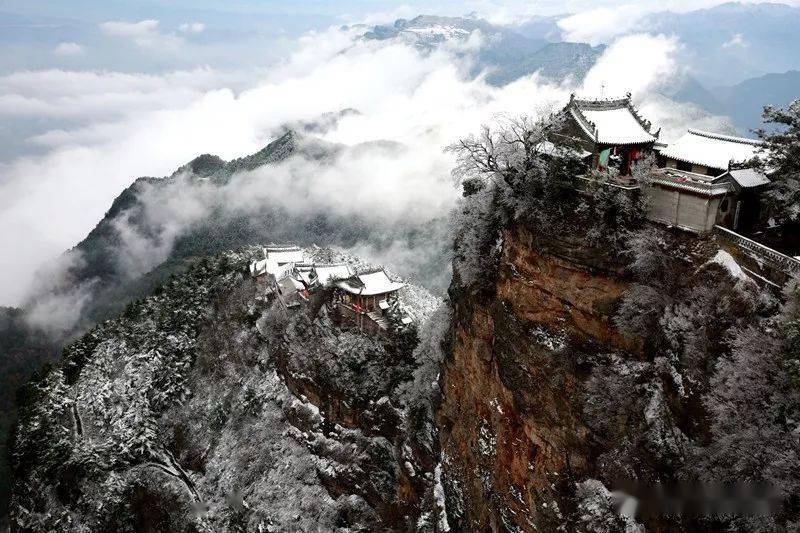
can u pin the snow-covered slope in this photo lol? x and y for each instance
(206, 408)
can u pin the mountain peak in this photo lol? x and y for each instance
(205, 165)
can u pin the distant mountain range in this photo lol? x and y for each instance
(504, 54)
(729, 43)
(744, 101)
(739, 57)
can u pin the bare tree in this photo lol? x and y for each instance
(507, 151)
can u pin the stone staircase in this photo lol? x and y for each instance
(378, 318)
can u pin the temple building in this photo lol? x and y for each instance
(277, 263)
(690, 201)
(708, 153)
(610, 130)
(700, 184)
(298, 282)
(276, 260)
(366, 299)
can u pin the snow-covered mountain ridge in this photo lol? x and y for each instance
(206, 408)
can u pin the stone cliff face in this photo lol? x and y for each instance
(511, 428)
(576, 370)
(565, 372)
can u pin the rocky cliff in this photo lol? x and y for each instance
(581, 370)
(510, 416)
(567, 378)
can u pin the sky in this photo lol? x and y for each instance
(96, 93)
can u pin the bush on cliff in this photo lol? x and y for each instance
(511, 172)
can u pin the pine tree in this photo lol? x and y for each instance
(782, 160)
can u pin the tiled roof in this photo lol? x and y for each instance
(690, 182)
(712, 149)
(284, 254)
(611, 121)
(748, 178)
(370, 284)
(325, 274)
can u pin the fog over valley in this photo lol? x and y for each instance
(102, 128)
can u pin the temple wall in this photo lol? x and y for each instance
(663, 205)
(683, 209)
(712, 209)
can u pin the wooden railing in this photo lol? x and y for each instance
(784, 263)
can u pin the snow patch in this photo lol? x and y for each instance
(727, 261)
(549, 340)
(439, 500)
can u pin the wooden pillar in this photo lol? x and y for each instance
(736, 215)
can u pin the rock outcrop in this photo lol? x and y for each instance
(510, 416)
(551, 401)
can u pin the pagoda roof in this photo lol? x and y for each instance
(612, 121)
(712, 150)
(329, 273)
(370, 284)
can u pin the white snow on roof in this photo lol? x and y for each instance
(370, 284)
(276, 259)
(711, 149)
(749, 177)
(615, 126)
(326, 273)
(281, 257)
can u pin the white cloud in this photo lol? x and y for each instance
(635, 63)
(600, 21)
(192, 27)
(422, 101)
(58, 304)
(736, 41)
(68, 49)
(144, 33)
(133, 30)
(101, 95)
(673, 119)
(601, 24)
